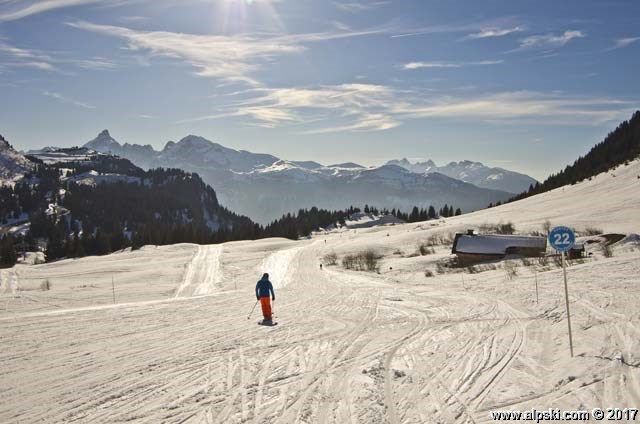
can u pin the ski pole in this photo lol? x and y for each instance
(254, 307)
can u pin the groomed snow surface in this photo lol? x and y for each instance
(393, 347)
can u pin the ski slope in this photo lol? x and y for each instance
(280, 266)
(204, 273)
(388, 347)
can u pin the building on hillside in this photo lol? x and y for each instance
(577, 251)
(472, 248)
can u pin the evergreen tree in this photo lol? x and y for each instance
(8, 256)
(415, 215)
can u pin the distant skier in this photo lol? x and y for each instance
(320, 267)
(263, 289)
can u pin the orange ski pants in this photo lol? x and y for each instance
(266, 307)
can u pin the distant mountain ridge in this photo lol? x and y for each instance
(265, 187)
(475, 173)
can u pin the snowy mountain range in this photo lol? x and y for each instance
(264, 186)
(473, 172)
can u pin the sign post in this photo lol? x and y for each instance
(562, 239)
(113, 289)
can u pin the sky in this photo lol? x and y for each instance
(524, 85)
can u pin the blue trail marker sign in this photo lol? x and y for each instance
(562, 239)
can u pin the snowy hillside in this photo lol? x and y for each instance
(79, 202)
(415, 342)
(607, 201)
(475, 173)
(265, 187)
(57, 155)
(13, 165)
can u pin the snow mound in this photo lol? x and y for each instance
(631, 239)
(368, 220)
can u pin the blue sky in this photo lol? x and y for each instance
(527, 85)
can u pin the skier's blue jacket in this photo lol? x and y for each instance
(264, 287)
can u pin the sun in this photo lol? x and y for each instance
(247, 16)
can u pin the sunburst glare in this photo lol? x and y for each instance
(247, 16)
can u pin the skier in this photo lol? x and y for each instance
(263, 288)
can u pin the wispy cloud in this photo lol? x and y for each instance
(18, 9)
(367, 107)
(360, 106)
(549, 40)
(64, 99)
(547, 108)
(625, 42)
(355, 6)
(129, 19)
(94, 63)
(483, 27)
(19, 57)
(421, 65)
(13, 56)
(231, 58)
(493, 32)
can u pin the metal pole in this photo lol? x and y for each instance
(537, 299)
(254, 307)
(566, 295)
(113, 289)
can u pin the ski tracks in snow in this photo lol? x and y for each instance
(351, 347)
(204, 273)
(8, 281)
(280, 266)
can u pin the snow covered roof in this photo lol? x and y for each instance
(491, 244)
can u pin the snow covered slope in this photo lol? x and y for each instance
(475, 173)
(396, 346)
(53, 155)
(608, 201)
(13, 165)
(368, 220)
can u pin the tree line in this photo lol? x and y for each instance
(162, 206)
(620, 146)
